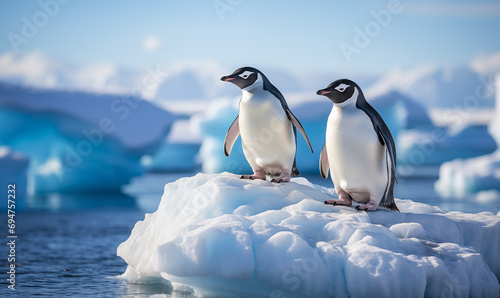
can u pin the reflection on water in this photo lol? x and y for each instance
(64, 202)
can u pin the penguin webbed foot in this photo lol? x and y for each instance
(259, 174)
(283, 177)
(370, 206)
(343, 200)
(360, 209)
(252, 177)
(280, 180)
(338, 202)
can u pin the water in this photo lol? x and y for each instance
(66, 245)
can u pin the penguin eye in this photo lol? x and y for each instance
(342, 87)
(246, 74)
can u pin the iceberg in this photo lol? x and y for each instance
(77, 141)
(398, 111)
(178, 152)
(495, 124)
(435, 86)
(432, 147)
(13, 171)
(461, 178)
(218, 235)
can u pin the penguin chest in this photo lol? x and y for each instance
(266, 134)
(356, 156)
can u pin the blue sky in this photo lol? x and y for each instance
(298, 36)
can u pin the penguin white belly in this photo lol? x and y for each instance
(266, 134)
(357, 159)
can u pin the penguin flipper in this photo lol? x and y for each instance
(388, 197)
(232, 134)
(389, 144)
(297, 124)
(324, 165)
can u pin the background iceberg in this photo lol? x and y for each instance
(424, 147)
(80, 142)
(220, 235)
(13, 170)
(462, 178)
(177, 153)
(434, 86)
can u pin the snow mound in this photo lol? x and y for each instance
(77, 141)
(13, 168)
(219, 235)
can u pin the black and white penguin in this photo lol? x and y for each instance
(359, 150)
(267, 127)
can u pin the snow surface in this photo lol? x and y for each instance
(398, 111)
(219, 235)
(13, 168)
(80, 141)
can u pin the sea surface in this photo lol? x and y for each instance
(66, 245)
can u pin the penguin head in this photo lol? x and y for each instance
(242, 77)
(339, 91)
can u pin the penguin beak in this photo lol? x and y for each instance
(323, 92)
(226, 79)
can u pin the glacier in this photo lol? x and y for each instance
(78, 141)
(218, 235)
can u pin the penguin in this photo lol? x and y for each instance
(267, 126)
(359, 150)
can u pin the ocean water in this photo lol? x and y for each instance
(66, 245)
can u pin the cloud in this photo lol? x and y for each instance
(151, 44)
(37, 70)
(487, 64)
(483, 9)
(33, 68)
(94, 77)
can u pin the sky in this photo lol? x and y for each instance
(301, 37)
